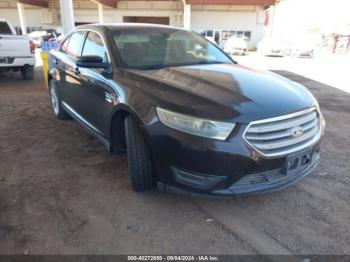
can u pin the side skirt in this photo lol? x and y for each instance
(91, 129)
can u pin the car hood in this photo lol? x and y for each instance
(222, 92)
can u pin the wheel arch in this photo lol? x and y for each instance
(52, 74)
(117, 132)
(49, 78)
(117, 126)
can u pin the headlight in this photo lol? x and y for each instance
(195, 126)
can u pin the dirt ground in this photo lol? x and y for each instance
(62, 193)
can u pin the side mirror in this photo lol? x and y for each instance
(91, 61)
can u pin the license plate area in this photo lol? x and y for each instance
(298, 162)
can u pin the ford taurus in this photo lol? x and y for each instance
(190, 119)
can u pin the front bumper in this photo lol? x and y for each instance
(274, 53)
(238, 51)
(223, 168)
(302, 53)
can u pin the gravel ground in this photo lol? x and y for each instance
(62, 193)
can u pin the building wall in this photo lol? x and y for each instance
(220, 18)
(116, 16)
(32, 16)
(249, 18)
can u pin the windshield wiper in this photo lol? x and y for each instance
(160, 66)
(210, 62)
(199, 63)
(150, 67)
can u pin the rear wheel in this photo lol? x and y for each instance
(56, 106)
(139, 157)
(27, 72)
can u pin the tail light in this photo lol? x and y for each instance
(32, 46)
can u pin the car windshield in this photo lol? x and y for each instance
(152, 48)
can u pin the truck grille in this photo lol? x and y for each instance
(283, 135)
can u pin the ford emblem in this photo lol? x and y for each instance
(297, 132)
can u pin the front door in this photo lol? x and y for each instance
(96, 92)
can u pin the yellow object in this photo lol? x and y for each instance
(44, 57)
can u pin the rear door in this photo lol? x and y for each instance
(70, 80)
(57, 61)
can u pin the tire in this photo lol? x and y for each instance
(27, 72)
(139, 157)
(56, 105)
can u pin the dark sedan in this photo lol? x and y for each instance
(190, 119)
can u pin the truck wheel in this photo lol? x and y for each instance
(139, 157)
(27, 72)
(56, 106)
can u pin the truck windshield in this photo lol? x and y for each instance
(152, 48)
(5, 28)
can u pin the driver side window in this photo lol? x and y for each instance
(64, 45)
(94, 46)
(75, 44)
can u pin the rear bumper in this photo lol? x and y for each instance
(18, 62)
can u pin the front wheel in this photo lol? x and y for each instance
(139, 157)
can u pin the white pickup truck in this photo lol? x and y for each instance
(17, 52)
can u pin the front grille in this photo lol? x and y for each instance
(265, 180)
(283, 135)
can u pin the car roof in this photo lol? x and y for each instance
(111, 26)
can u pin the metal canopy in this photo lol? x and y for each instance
(230, 2)
(109, 3)
(41, 3)
(114, 3)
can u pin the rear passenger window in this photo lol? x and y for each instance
(94, 46)
(5, 28)
(64, 45)
(75, 44)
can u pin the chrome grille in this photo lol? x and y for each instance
(283, 135)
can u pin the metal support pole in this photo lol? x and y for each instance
(187, 15)
(100, 13)
(22, 19)
(67, 15)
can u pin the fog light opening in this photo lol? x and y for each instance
(196, 180)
